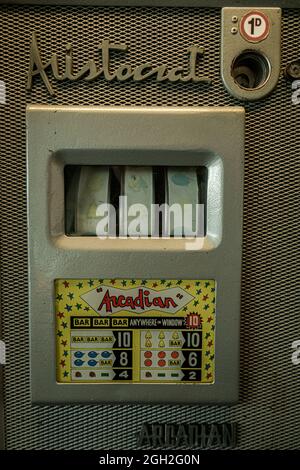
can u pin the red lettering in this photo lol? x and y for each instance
(106, 301)
(169, 301)
(140, 301)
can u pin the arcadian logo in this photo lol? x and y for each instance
(93, 69)
(201, 436)
(108, 300)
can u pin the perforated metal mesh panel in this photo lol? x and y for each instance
(268, 414)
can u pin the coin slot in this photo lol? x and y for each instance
(250, 70)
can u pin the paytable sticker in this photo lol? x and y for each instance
(135, 330)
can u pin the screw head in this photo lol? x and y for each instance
(234, 30)
(234, 19)
(292, 70)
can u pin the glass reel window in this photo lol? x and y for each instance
(135, 201)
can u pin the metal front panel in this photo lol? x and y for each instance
(91, 132)
(268, 414)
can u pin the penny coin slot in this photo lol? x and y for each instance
(250, 70)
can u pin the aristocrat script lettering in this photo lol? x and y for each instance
(91, 71)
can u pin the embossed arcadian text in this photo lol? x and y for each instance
(91, 71)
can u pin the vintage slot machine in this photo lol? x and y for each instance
(149, 210)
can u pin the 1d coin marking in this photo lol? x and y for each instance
(255, 26)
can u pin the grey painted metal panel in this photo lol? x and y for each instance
(63, 135)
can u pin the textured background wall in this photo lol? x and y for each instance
(268, 413)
